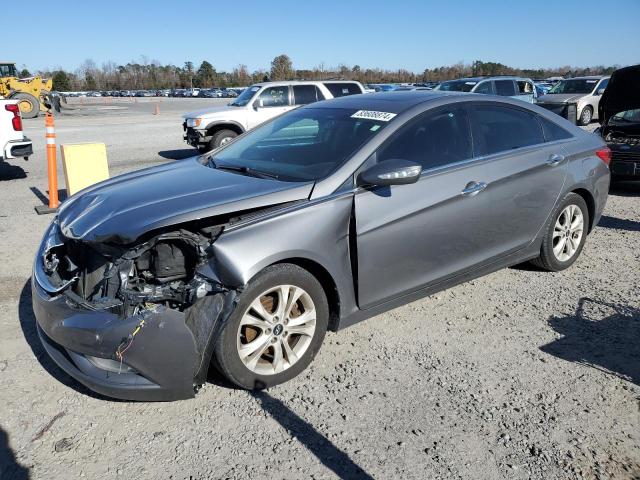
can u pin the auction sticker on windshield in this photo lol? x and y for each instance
(371, 115)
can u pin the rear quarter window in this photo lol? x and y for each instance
(343, 89)
(552, 131)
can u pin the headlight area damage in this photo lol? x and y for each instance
(131, 322)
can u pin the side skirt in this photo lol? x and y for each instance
(529, 253)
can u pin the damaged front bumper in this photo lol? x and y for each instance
(157, 354)
(192, 136)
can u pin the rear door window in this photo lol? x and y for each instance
(506, 88)
(433, 140)
(339, 89)
(305, 94)
(501, 129)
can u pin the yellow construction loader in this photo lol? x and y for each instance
(32, 93)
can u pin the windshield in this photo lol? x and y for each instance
(456, 86)
(575, 85)
(304, 144)
(245, 97)
(626, 117)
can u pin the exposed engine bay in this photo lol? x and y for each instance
(160, 270)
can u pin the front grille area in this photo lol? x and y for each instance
(565, 110)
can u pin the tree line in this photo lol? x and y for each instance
(151, 75)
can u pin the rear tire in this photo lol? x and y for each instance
(585, 116)
(250, 349)
(565, 234)
(29, 105)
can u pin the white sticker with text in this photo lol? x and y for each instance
(371, 115)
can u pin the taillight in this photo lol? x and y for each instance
(604, 154)
(16, 121)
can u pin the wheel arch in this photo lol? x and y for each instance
(591, 204)
(326, 281)
(214, 127)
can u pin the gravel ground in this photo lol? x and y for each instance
(521, 374)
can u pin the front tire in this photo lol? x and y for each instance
(565, 235)
(585, 116)
(217, 140)
(275, 330)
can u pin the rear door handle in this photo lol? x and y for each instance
(473, 188)
(555, 159)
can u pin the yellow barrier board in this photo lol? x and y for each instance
(84, 164)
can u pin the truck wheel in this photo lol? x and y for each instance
(28, 104)
(585, 116)
(218, 139)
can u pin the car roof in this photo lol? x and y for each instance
(588, 77)
(488, 77)
(391, 102)
(300, 82)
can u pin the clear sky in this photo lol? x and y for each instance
(390, 34)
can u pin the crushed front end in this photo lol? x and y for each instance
(624, 143)
(131, 322)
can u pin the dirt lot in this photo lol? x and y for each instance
(521, 374)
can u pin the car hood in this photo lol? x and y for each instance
(622, 93)
(123, 208)
(208, 112)
(561, 97)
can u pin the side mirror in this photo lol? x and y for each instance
(258, 104)
(391, 172)
(600, 91)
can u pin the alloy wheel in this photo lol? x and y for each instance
(567, 232)
(276, 329)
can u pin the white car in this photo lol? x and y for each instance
(13, 143)
(583, 92)
(209, 128)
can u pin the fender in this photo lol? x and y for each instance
(318, 232)
(225, 122)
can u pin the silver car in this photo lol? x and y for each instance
(327, 215)
(514, 87)
(583, 93)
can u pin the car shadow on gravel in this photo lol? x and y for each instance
(601, 335)
(179, 154)
(28, 325)
(9, 466)
(331, 456)
(619, 224)
(625, 189)
(11, 172)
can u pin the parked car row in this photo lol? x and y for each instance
(175, 92)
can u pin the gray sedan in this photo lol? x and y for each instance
(327, 215)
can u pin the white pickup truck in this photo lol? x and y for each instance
(211, 127)
(13, 143)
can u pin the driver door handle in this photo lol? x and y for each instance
(473, 188)
(555, 159)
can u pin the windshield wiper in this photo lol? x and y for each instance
(245, 170)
